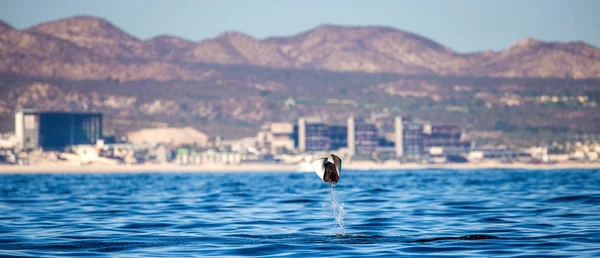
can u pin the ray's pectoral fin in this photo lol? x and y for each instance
(338, 164)
(319, 167)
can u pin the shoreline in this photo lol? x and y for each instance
(259, 167)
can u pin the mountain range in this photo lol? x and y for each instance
(232, 84)
(91, 48)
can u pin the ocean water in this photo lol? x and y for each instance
(421, 213)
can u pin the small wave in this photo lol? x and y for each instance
(378, 220)
(570, 215)
(468, 237)
(367, 201)
(377, 239)
(431, 249)
(146, 225)
(495, 220)
(297, 201)
(576, 198)
(379, 190)
(259, 250)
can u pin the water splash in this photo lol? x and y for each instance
(337, 210)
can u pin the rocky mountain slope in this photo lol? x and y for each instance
(84, 47)
(522, 111)
(231, 84)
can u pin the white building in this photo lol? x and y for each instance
(276, 137)
(9, 141)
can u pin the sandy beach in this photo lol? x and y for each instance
(212, 168)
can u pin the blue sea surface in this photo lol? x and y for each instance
(421, 213)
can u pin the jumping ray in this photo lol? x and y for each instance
(328, 171)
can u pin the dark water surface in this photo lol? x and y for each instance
(425, 213)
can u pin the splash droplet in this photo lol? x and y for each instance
(338, 212)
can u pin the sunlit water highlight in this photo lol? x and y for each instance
(422, 213)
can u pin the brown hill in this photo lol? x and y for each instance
(370, 49)
(167, 47)
(5, 27)
(86, 47)
(533, 58)
(95, 34)
(34, 54)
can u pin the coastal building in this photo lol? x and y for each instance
(414, 141)
(56, 130)
(338, 135)
(398, 136)
(313, 135)
(493, 153)
(213, 157)
(276, 137)
(408, 136)
(244, 145)
(447, 138)
(411, 140)
(362, 136)
(8, 141)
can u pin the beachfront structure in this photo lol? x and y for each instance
(448, 138)
(413, 140)
(276, 137)
(358, 135)
(8, 141)
(313, 135)
(496, 153)
(56, 130)
(188, 157)
(338, 135)
(362, 136)
(398, 136)
(408, 137)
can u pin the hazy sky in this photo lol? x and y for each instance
(463, 25)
